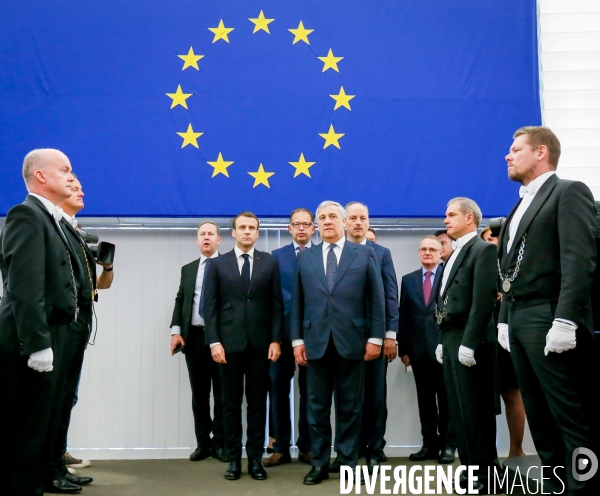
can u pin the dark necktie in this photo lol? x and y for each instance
(427, 287)
(201, 306)
(246, 271)
(331, 268)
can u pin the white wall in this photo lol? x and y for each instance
(569, 44)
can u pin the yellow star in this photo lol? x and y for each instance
(302, 166)
(190, 137)
(221, 32)
(300, 33)
(342, 100)
(220, 166)
(179, 97)
(261, 23)
(191, 60)
(261, 177)
(330, 62)
(331, 137)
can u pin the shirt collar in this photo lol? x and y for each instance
(433, 271)
(47, 203)
(340, 242)
(463, 240)
(296, 245)
(203, 258)
(534, 186)
(239, 253)
(363, 242)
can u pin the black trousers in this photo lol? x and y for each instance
(204, 374)
(303, 441)
(253, 366)
(555, 389)
(433, 403)
(471, 395)
(29, 415)
(334, 375)
(375, 413)
(282, 373)
(77, 338)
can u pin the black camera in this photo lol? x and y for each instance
(103, 251)
(496, 225)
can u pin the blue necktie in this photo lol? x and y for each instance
(201, 306)
(246, 271)
(331, 268)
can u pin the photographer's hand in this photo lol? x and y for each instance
(106, 278)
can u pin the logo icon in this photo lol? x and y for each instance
(584, 464)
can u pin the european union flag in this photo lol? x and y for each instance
(188, 108)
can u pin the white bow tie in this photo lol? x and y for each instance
(73, 222)
(457, 244)
(526, 190)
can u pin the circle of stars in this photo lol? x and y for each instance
(261, 23)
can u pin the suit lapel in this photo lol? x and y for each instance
(532, 210)
(419, 283)
(316, 258)
(235, 270)
(504, 231)
(191, 276)
(348, 254)
(256, 267)
(439, 273)
(459, 259)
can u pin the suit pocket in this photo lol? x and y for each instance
(225, 307)
(360, 323)
(306, 324)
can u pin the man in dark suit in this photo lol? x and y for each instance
(446, 242)
(244, 326)
(187, 334)
(337, 323)
(465, 307)
(79, 331)
(374, 417)
(301, 228)
(418, 336)
(547, 257)
(41, 275)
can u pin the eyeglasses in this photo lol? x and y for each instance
(429, 250)
(298, 225)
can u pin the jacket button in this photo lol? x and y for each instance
(248, 299)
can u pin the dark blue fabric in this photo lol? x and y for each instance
(439, 88)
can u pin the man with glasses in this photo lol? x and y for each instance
(301, 227)
(418, 336)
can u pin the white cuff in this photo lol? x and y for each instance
(567, 322)
(175, 330)
(297, 342)
(390, 335)
(214, 344)
(377, 341)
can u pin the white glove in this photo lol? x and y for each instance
(41, 360)
(503, 336)
(560, 337)
(466, 356)
(439, 355)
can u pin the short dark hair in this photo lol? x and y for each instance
(542, 135)
(441, 231)
(245, 214)
(302, 209)
(209, 222)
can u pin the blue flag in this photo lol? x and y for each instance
(188, 108)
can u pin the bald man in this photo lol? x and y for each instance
(41, 273)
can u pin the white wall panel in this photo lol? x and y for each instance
(578, 138)
(580, 157)
(571, 6)
(570, 42)
(569, 22)
(571, 80)
(570, 61)
(571, 118)
(571, 99)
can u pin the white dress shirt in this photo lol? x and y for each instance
(337, 250)
(196, 319)
(240, 260)
(462, 241)
(527, 193)
(70, 220)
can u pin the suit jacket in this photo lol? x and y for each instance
(383, 257)
(418, 332)
(234, 316)
(286, 258)
(560, 252)
(184, 301)
(471, 291)
(352, 313)
(38, 283)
